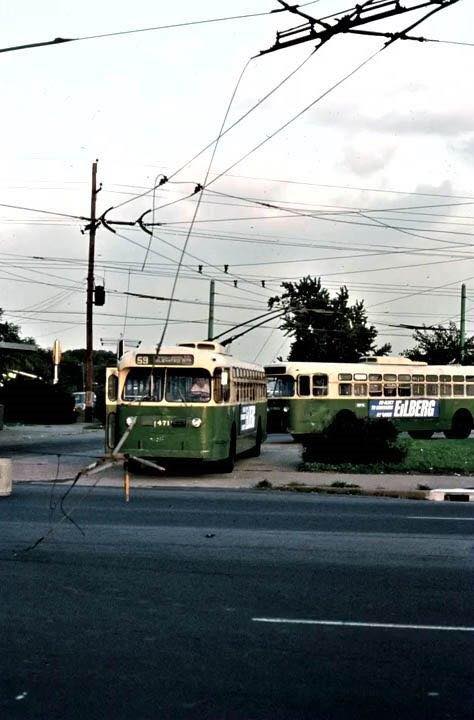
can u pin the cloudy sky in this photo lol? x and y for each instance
(383, 165)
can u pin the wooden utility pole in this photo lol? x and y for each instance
(89, 410)
(210, 322)
(462, 329)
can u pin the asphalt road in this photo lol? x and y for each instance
(160, 610)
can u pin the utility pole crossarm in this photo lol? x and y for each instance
(362, 14)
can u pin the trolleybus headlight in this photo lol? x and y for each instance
(196, 422)
(129, 421)
(286, 408)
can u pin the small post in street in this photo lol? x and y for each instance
(462, 326)
(126, 482)
(56, 360)
(210, 323)
(89, 409)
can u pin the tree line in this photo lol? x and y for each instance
(322, 328)
(327, 328)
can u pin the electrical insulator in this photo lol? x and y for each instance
(200, 269)
(226, 268)
(235, 283)
(263, 283)
(99, 295)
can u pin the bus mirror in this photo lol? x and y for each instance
(225, 378)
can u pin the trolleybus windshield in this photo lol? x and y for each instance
(144, 385)
(280, 386)
(193, 385)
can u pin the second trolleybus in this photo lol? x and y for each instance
(421, 399)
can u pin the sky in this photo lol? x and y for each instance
(383, 164)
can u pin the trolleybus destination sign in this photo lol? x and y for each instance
(419, 408)
(164, 359)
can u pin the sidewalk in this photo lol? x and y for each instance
(25, 434)
(278, 465)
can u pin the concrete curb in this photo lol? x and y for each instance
(360, 492)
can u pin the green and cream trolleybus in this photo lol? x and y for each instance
(193, 402)
(421, 399)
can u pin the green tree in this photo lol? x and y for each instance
(440, 346)
(72, 368)
(31, 362)
(341, 334)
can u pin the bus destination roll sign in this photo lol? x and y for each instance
(164, 359)
(404, 408)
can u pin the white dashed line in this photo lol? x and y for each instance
(343, 623)
(433, 517)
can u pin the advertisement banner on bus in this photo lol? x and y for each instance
(248, 416)
(395, 408)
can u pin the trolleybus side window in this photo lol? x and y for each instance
(470, 385)
(360, 389)
(458, 385)
(144, 385)
(304, 385)
(345, 388)
(404, 385)
(320, 385)
(281, 386)
(375, 385)
(193, 385)
(218, 394)
(432, 387)
(445, 386)
(390, 387)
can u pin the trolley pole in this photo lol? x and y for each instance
(89, 409)
(210, 323)
(462, 326)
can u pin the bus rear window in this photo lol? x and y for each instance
(144, 385)
(280, 386)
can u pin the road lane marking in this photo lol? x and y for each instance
(344, 623)
(432, 517)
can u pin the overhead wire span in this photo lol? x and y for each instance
(44, 212)
(196, 210)
(134, 31)
(225, 131)
(195, 271)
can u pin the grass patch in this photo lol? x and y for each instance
(427, 457)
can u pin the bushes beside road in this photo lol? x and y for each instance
(27, 400)
(351, 445)
(429, 457)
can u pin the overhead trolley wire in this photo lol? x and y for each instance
(224, 132)
(134, 31)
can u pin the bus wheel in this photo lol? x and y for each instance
(227, 465)
(421, 434)
(256, 450)
(461, 426)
